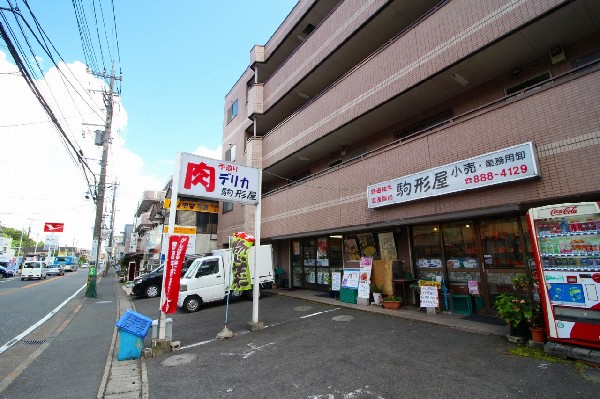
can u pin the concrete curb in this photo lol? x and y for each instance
(123, 379)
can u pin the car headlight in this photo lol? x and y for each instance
(182, 288)
(137, 281)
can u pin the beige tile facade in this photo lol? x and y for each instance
(494, 44)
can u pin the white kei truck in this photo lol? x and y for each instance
(209, 278)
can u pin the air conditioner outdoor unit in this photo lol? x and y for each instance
(557, 54)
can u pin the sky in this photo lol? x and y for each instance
(177, 61)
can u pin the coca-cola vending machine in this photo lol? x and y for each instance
(566, 246)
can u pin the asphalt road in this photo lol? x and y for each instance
(65, 356)
(317, 351)
(26, 302)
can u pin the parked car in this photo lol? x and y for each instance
(150, 284)
(58, 270)
(5, 272)
(85, 265)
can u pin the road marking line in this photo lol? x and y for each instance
(27, 362)
(25, 287)
(272, 325)
(16, 339)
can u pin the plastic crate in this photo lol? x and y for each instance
(462, 304)
(130, 346)
(134, 323)
(348, 295)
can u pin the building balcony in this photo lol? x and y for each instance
(148, 199)
(144, 223)
(420, 73)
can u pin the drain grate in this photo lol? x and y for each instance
(33, 342)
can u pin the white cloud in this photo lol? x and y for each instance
(207, 152)
(39, 181)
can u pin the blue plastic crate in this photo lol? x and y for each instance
(130, 346)
(134, 323)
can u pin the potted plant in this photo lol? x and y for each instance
(392, 302)
(521, 312)
(376, 290)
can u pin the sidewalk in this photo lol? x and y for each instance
(125, 379)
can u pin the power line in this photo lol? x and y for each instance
(41, 100)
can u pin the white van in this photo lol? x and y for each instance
(34, 269)
(207, 279)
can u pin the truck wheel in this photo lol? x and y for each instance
(191, 304)
(152, 291)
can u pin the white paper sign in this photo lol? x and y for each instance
(429, 297)
(336, 281)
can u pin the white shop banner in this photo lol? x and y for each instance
(220, 180)
(503, 166)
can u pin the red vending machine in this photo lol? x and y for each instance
(566, 246)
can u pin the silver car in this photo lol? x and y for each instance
(57, 270)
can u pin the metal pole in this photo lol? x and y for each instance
(257, 216)
(170, 230)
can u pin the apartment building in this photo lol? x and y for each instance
(418, 133)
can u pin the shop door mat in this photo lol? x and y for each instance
(485, 319)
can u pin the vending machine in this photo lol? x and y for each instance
(566, 247)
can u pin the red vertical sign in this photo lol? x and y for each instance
(172, 276)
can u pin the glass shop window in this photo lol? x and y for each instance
(427, 247)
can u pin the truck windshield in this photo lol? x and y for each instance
(191, 272)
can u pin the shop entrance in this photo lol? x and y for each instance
(477, 259)
(313, 261)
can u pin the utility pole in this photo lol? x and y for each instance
(108, 103)
(112, 224)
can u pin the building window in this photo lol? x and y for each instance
(232, 110)
(206, 222)
(230, 153)
(227, 207)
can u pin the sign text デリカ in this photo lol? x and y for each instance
(219, 180)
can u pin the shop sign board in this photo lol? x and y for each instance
(429, 296)
(507, 165)
(188, 231)
(51, 242)
(218, 180)
(350, 278)
(364, 283)
(196, 206)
